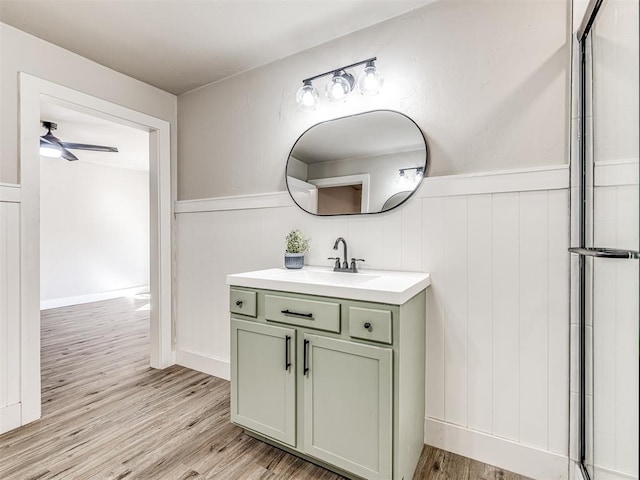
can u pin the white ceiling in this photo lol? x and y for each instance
(179, 45)
(78, 127)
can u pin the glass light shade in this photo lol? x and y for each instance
(370, 81)
(339, 86)
(307, 97)
(50, 150)
(403, 180)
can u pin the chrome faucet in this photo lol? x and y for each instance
(344, 266)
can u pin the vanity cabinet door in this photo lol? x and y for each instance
(263, 379)
(348, 392)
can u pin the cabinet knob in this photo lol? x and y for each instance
(239, 303)
(367, 325)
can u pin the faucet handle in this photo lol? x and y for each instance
(353, 266)
(337, 259)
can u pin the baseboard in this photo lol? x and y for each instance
(601, 473)
(10, 417)
(94, 297)
(213, 366)
(503, 453)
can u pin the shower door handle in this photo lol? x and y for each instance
(605, 252)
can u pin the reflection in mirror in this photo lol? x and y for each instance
(366, 163)
(396, 199)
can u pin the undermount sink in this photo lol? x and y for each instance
(374, 286)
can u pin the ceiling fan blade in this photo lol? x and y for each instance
(67, 155)
(84, 146)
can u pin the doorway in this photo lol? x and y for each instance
(94, 211)
(34, 91)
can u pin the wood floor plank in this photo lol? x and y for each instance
(108, 416)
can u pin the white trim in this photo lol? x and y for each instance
(240, 202)
(93, 297)
(33, 91)
(503, 453)
(616, 173)
(213, 366)
(304, 194)
(363, 179)
(10, 417)
(602, 473)
(502, 181)
(9, 192)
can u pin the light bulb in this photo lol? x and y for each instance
(370, 81)
(339, 86)
(403, 180)
(307, 96)
(50, 150)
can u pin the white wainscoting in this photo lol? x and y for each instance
(10, 406)
(498, 307)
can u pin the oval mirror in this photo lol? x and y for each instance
(365, 163)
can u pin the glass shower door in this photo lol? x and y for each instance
(611, 242)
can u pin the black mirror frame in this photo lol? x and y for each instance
(427, 164)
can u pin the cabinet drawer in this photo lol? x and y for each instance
(370, 324)
(243, 302)
(305, 313)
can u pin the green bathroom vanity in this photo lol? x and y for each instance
(331, 366)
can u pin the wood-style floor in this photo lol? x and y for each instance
(106, 415)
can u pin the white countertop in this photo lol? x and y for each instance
(368, 285)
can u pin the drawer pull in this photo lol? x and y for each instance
(367, 325)
(287, 347)
(305, 357)
(239, 303)
(288, 312)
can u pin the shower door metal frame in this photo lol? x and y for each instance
(583, 33)
(582, 250)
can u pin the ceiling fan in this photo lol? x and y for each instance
(52, 146)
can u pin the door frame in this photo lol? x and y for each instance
(33, 91)
(363, 179)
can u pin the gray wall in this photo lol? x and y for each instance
(21, 52)
(487, 82)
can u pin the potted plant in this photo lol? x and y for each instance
(296, 245)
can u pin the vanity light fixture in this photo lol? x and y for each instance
(370, 80)
(307, 96)
(406, 179)
(341, 84)
(419, 171)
